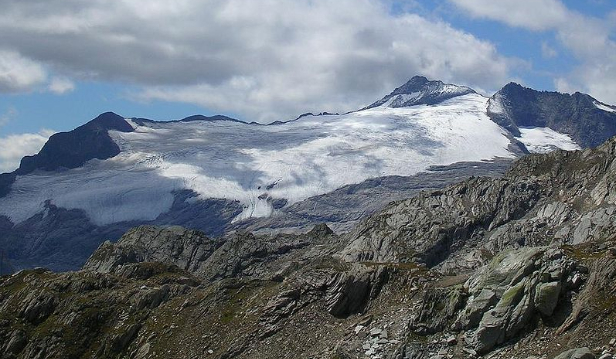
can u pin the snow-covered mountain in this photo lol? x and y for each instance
(207, 172)
(421, 91)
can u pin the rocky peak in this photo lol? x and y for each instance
(577, 115)
(108, 121)
(421, 91)
(72, 149)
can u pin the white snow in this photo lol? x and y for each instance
(544, 139)
(223, 159)
(604, 107)
(495, 105)
(402, 98)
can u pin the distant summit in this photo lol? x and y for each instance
(421, 91)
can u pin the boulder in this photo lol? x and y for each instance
(546, 297)
(577, 353)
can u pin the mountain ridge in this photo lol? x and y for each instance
(286, 177)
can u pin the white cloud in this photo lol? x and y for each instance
(61, 85)
(265, 59)
(530, 14)
(547, 51)
(589, 39)
(14, 147)
(18, 73)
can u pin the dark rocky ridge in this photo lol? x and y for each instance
(192, 118)
(509, 267)
(72, 149)
(575, 114)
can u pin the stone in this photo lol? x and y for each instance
(477, 305)
(491, 330)
(451, 340)
(358, 329)
(470, 351)
(577, 353)
(375, 332)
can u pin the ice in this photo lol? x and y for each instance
(250, 163)
(544, 139)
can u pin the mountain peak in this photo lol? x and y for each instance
(421, 91)
(108, 121)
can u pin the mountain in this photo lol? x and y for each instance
(518, 266)
(421, 91)
(587, 121)
(218, 174)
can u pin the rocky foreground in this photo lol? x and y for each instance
(515, 267)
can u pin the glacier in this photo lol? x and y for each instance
(261, 165)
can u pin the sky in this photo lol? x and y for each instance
(63, 62)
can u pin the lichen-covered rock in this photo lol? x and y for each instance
(546, 297)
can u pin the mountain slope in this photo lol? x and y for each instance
(217, 173)
(508, 267)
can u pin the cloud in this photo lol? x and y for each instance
(589, 39)
(264, 60)
(547, 51)
(18, 73)
(61, 85)
(529, 14)
(15, 147)
(8, 116)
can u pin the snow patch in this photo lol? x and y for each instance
(544, 140)
(604, 107)
(495, 105)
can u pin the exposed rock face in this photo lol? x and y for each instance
(562, 197)
(527, 283)
(174, 245)
(72, 149)
(515, 106)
